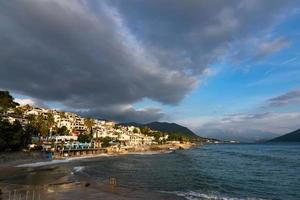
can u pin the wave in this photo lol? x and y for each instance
(44, 163)
(192, 195)
(54, 162)
(66, 160)
(148, 152)
(78, 168)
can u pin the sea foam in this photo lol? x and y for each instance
(78, 168)
(148, 152)
(192, 195)
(53, 162)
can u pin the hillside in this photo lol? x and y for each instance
(289, 137)
(165, 127)
(245, 136)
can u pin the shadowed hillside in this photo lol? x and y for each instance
(289, 137)
(165, 127)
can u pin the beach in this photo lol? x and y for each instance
(219, 171)
(9, 159)
(69, 183)
(52, 180)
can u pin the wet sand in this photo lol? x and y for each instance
(63, 184)
(10, 159)
(32, 174)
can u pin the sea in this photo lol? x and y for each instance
(216, 171)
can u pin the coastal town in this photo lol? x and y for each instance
(66, 134)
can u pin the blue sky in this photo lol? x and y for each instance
(226, 69)
(246, 86)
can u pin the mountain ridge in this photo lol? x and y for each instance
(293, 136)
(164, 127)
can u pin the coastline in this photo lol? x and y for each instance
(11, 159)
(67, 187)
(38, 159)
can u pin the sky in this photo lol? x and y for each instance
(226, 69)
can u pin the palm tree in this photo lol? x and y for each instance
(50, 121)
(89, 123)
(42, 125)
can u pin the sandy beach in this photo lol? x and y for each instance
(56, 182)
(63, 183)
(9, 159)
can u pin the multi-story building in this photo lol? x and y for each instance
(125, 135)
(78, 124)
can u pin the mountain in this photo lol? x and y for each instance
(165, 127)
(247, 135)
(289, 137)
(171, 128)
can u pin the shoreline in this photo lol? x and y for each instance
(68, 188)
(39, 159)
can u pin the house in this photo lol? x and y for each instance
(11, 120)
(33, 111)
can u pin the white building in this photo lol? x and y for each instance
(65, 138)
(34, 111)
(11, 120)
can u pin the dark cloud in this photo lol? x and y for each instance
(190, 35)
(61, 51)
(104, 56)
(125, 114)
(289, 98)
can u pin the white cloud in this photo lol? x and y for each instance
(26, 101)
(268, 47)
(277, 123)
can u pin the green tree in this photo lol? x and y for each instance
(42, 125)
(32, 119)
(83, 138)
(6, 101)
(50, 121)
(12, 136)
(145, 130)
(62, 131)
(5, 134)
(116, 126)
(31, 129)
(105, 142)
(18, 111)
(157, 135)
(89, 123)
(16, 132)
(62, 115)
(174, 137)
(135, 130)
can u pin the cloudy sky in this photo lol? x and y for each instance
(218, 67)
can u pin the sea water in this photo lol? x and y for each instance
(223, 171)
